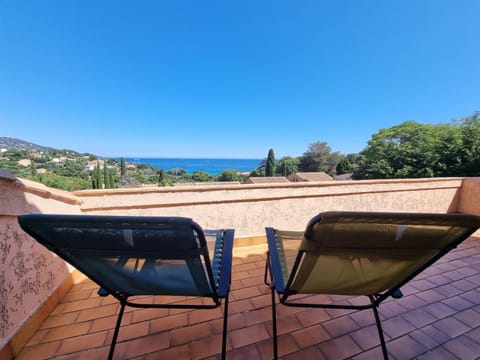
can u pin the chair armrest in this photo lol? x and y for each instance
(226, 265)
(274, 260)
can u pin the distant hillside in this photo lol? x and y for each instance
(13, 143)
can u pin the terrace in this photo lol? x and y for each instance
(51, 311)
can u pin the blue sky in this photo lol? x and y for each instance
(232, 79)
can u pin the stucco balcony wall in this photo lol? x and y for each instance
(249, 208)
(469, 201)
(29, 273)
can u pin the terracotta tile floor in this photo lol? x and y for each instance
(438, 318)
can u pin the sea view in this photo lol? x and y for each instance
(190, 165)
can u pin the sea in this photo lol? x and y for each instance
(190, 165)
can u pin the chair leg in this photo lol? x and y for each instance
(117, 329)
(380, 330)
(225, 323)
(274, 312)
(274, 325)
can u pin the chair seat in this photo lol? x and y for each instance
(130, 256)
(359, 254)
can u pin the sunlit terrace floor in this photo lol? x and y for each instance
(438, 318)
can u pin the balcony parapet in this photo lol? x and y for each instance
(32, 280)
(250, 207)
(20, 196)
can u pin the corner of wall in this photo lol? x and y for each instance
(469, 198)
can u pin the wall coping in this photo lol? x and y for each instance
(39, 189)
(210, 188)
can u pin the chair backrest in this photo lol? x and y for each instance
(361, 253)
(130, 255)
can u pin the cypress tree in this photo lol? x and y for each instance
(161, 177)
(98, 176)
(111, 180)
(123, 167)
(106, 178)
(94, 185)
(270, 166)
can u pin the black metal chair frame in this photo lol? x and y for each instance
(219, 291)
(273, 267)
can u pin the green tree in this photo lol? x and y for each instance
(343, 166)
(62, 182)
(287, 165)
(177, 172)
(412, 150)
(348, 164)
(258, 172)
(229, 175)
(33, 168)
(94, 178)
(97, 177)
(202, 176)
(106, 177)
(15, 155)
(161, 177)
(471, 145)
(111, 180)
(123, 167)
(319, 157)
(143, 174)
(270, 165)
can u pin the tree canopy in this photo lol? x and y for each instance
(319, 157)
(229, 175)
(287, 165)
(413, 150)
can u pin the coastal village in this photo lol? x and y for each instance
(42, 163)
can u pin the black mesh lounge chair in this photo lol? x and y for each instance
(358, 253)
(130, 257)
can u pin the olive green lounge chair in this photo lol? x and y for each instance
(358, 253)
(130, 257)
